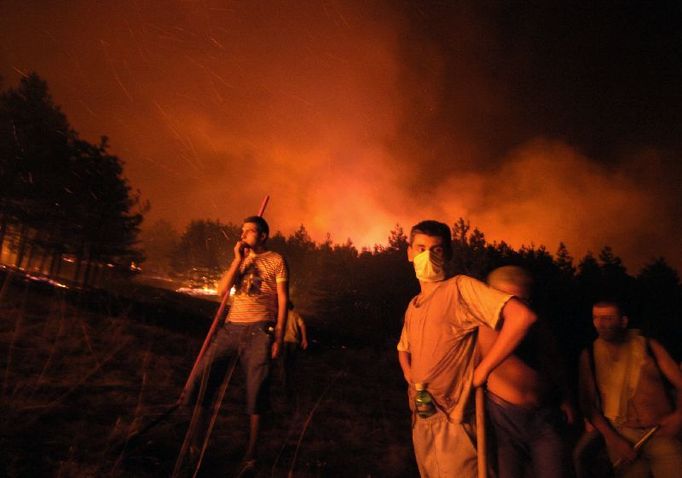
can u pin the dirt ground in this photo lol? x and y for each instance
(81, 372)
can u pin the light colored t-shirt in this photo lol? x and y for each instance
(292, 332)
(440, 337)
(255, 298)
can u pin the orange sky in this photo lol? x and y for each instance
(353, 116)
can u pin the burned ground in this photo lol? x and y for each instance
(81, 370)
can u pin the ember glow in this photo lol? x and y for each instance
(355, 116)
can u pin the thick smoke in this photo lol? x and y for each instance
(353, 116)
(545, 192)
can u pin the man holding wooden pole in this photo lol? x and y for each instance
(623, 394)
(252, 333)
(437, 350)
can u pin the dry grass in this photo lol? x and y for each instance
(77, 379)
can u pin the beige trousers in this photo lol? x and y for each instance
(660, 457)
(444, 449)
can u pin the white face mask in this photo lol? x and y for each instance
(428, 268)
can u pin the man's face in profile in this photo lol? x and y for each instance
(250, 235)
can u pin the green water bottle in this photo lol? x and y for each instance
(423, 402)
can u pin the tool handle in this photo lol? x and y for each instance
(481, 444)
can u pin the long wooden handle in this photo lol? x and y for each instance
(481, 445)
(263, 205)
(204, 346)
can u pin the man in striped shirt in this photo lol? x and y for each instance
(254, 329)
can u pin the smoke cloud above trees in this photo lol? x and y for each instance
(355, 116)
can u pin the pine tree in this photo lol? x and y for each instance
(59, 193)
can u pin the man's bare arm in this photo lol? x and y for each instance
(517, 319)
(672, 423)
(304, 335)
(282, 301)
(405, 363)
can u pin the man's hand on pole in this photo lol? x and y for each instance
(481, 443)
(480, 377)
(622, 449)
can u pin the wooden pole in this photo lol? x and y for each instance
(204, 346)
(263, 205)
(481, 445)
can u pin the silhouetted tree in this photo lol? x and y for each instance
(564, 262)
(398, 240)
(111, 216)
(160, 241)
(471, 253)
(34, 156)
(60, 194)
(659, 302)
(615, 279)
(207, 245)
(589, 278)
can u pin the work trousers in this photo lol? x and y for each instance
(660, 457)
(524, 436)
(444, 449)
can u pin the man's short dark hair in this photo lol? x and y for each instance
(434, 229)
(260, 223)
(610, 302)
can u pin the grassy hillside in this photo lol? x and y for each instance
(80, 370)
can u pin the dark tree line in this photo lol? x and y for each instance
(357, 296)
(63, 197)
(60, 196)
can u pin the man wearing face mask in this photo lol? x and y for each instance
(437, 348)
